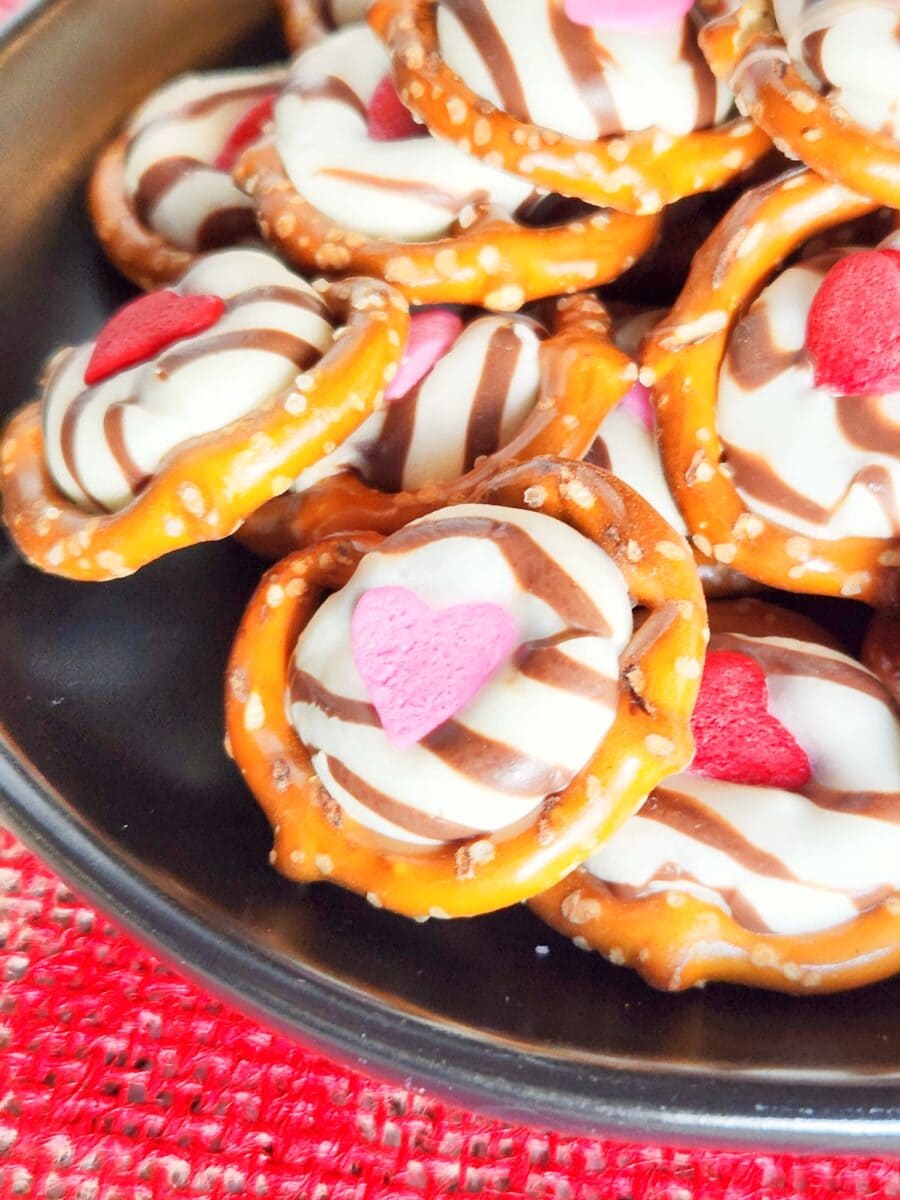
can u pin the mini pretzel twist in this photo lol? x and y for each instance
(582, 377)
(485, 258)
(207, 486)
(685, 353)
(315, 840)
(746, 51)
(634, 172)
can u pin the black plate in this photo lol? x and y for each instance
(112, 766)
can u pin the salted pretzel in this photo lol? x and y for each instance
(306, 21)
(161, 193)
(756, 389)
(349, 182)
(602, 157)
(194, 406)
(517, 388)
(821, 80)
(448, 761)
(774, 860)
(881, 650)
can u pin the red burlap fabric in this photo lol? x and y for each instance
(119, 1079)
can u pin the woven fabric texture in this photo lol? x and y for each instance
(119, 1080)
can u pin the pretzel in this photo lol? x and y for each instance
(582, 375)
(307, 21)
(206, 486)
(634, 172)
(677, 936)
(881, 650)
(683, 356)
(316, 839)
(746, 50)
(162, 138)
(439, 226)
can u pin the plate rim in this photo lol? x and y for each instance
(483, 1071)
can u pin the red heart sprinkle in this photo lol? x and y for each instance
(147, 325)
(389, 120)
(247, 131)
(737, 738)
(853, 329)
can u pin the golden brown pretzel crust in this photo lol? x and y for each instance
(492, 261)
(685, 353)
(582, 377)
(314, 840)
(140, 254)
(676, 941)
(303, 23)
(881, 650)
(205, 488)
(746, 51)
(634, 172)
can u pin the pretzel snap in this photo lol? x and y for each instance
(790, 886)
(450, 871)
(747, 51)
(635, 172)
(685, 355)
(580, 377)
(207, 485)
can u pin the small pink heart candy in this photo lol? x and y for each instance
(628, 16)
(422, 665)
(637, 404)
(431, 334)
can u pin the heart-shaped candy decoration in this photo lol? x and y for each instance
(389, 120)
(422, 665)
(147, 325)
(737, 739)
(431, 334)
(629, 16)
(853, 328)
(637, 404)
(247, 131)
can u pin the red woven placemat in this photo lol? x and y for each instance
(118, 1079)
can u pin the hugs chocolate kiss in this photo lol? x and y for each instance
(147, 325)
(737, 739)
(853, 329)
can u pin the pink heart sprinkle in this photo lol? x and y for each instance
(628, 16)
(637, 404)
(421, 665)
(431, 334)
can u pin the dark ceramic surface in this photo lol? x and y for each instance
(112, 766)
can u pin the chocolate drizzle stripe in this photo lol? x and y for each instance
(404, 816)
(787, 660)
(585, 60)
(598, 455)
(494, 764)
(385, 459)
(274, 341)
(753, 475)
(306, 689)
(475, 19)
(687, 815)
(865, 425)
(754, 358)
(208, 104)
(114, 432)
(483, 432)
(553, 667)
(226, 227)
(282, 295)
(428, 193)
(704, 81)
(879, 806)
(536, 571)
(67, 431)
(328, 88)
(159, 179)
